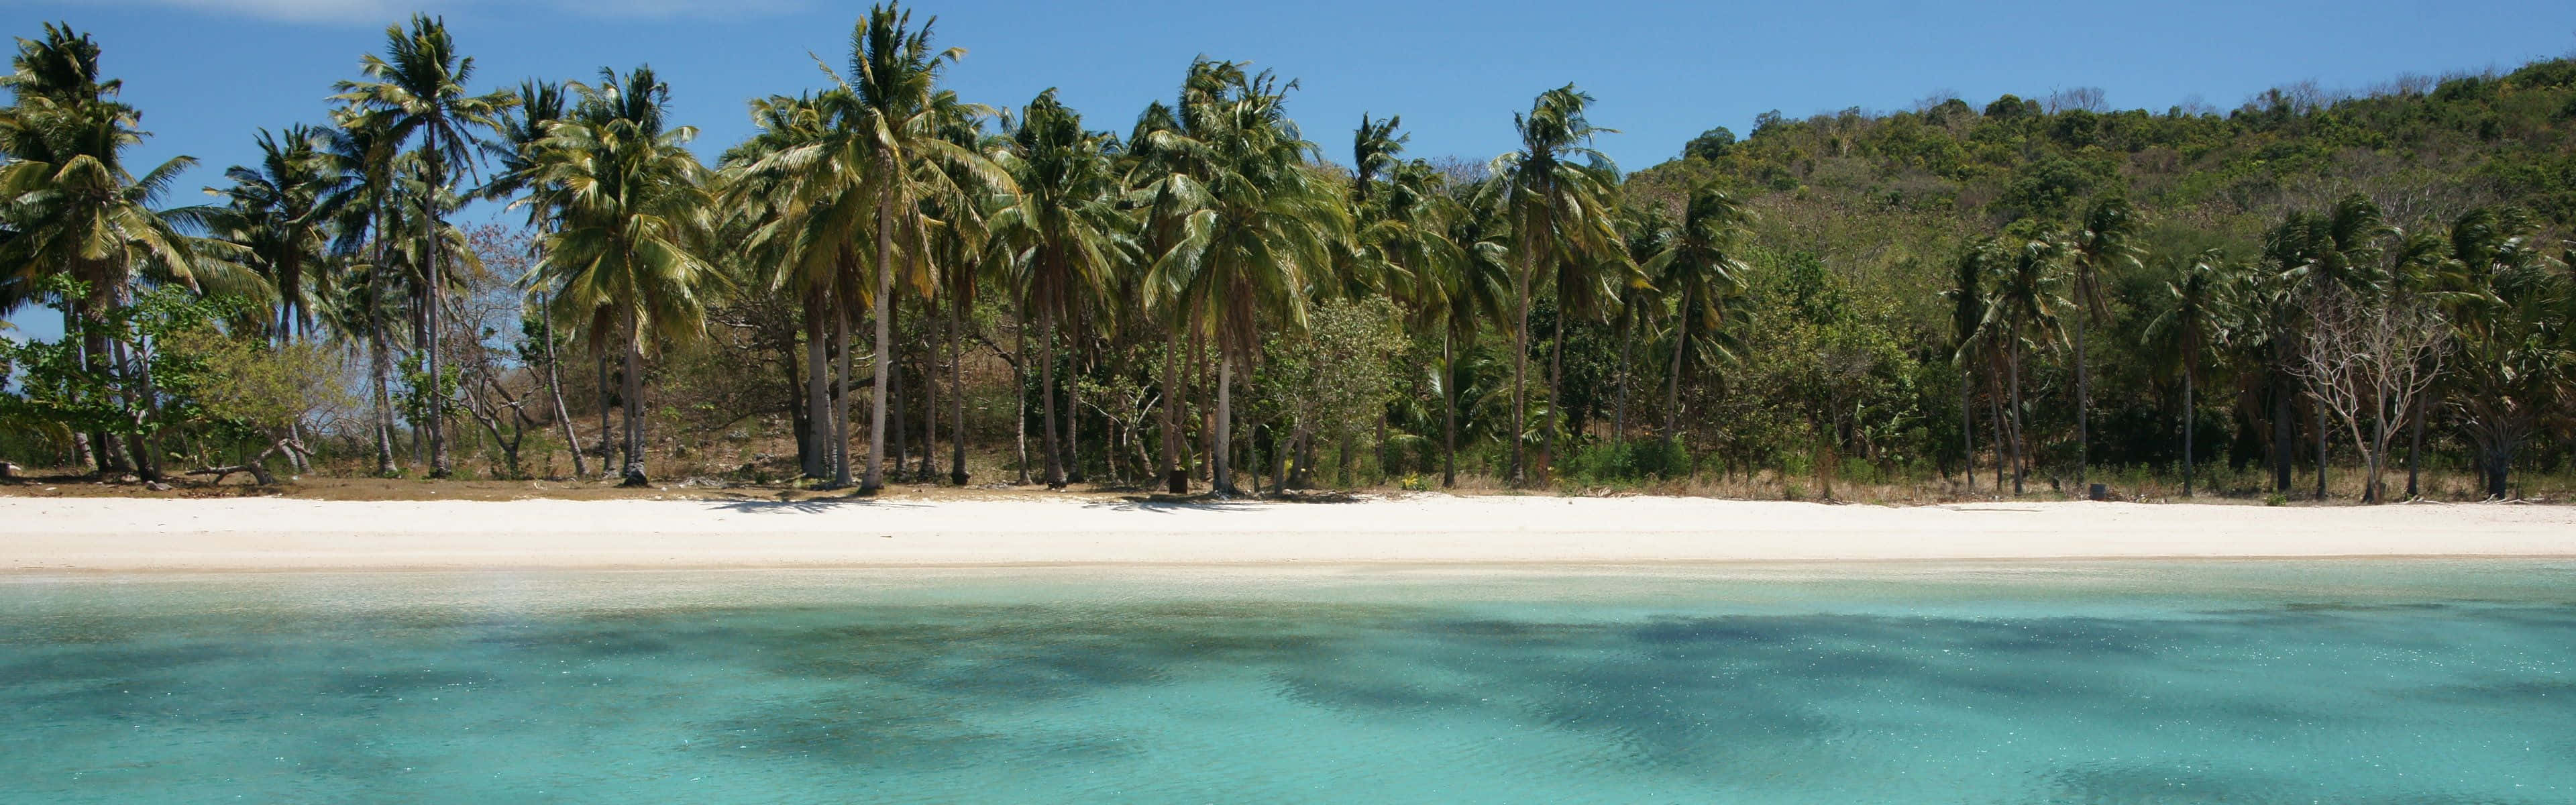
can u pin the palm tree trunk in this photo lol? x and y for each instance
(1673, 378)
(2083, 401)
(380, 371)
(929, 471)
(1968, 426)
(1515, 473)
(2019, 472)
(1559, 416)
(1448, 410)
(2189, 414)
(897, 435)
(874, 478)
(604, 433)
(436, 417)
(1020, 397)
(1046, 398)
(841, 407)
(1995, 419)
(1207, 419)
(1627, 348)
(818, 392)
(1223, 475)
(1175, 479)
(633, 392)
(1073, 418)
(554, 387)
(957, 392)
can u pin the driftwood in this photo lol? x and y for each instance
(257, 465)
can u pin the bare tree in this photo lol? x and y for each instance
(2366, 362)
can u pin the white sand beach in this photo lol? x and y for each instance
(247, 534)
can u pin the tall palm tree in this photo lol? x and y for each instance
(2106, 241)
(418, 88)
(892, 96)
(1561, 212)
(1967, 323)
(1699, 271)
(1263, 222)
(2022, 307)
(802, 180)
(630, 222)
(2197, 319)
(1063, 232)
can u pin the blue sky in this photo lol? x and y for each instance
(208, 73)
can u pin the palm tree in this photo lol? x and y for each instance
(801, 179)
(1261, 222)
(625, 250)
(1967, 324)
(418, 88)
(1560, 210)
(362, 204)
(1699, 271)
(2023, 307)
(276, 213)
(892, 102)
(2197, 319)
(75, 210)
(1063, 232)
(2514, 309)
(2105, 242)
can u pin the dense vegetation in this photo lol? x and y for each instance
(2047, 290)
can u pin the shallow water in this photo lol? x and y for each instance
(2236, 682)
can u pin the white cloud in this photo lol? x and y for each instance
(387, 11)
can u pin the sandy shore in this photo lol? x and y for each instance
(38, 534)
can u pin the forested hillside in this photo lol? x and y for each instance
(891, 284)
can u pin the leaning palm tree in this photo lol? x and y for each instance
(2106, 242)
(1699, 270)
(2198, 318)
(1561, 212)
(626, 248)
(1062, 232)
(418, 90)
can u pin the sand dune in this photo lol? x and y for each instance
(279, 534)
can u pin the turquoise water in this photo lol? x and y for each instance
(2235, 682)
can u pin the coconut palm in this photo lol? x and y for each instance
(1560, 211)
(418, 90)
(1262, 222)
(2106, 241)
(629, 221)
(1064, 235)
(2512, 309)
(275, 211)
(2200, 316)
(2022, 307)
(801, 180)
(1967, 322)
(1699, 271)
(891, 100)
(73, 208)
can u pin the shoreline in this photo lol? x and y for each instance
(57, 535)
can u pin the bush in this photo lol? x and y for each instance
(1629, 462)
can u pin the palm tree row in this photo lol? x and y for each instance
(1171, 259)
